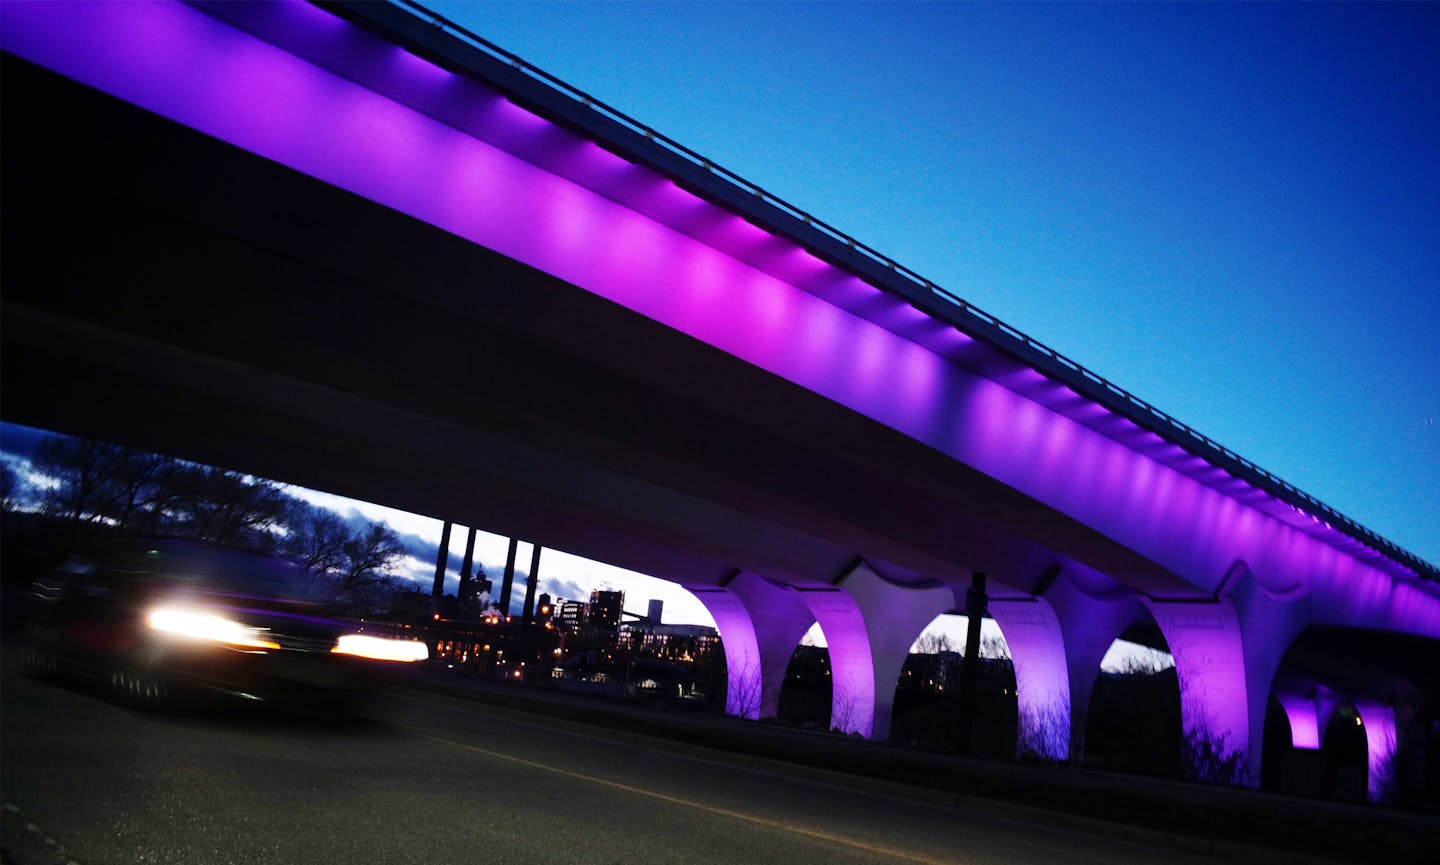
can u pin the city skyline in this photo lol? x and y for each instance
(577, 576)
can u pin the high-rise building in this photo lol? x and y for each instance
(606, 608)
(571, 615)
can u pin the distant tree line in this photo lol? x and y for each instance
(83, 490)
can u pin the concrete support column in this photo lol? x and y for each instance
(1272, 614)
(743, 680)
(852, 671)
(1093, 612)
(1304, 720)
(464, 590)
(1042, 679)
(441, 558)
(893, 617)
(1379, 723)
(1204, 638)
(509, 582)
(1327, 703)
(760, 625)
(532, 579)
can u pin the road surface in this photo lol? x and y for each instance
(432, 779)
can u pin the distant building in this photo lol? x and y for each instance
(647, 638)
(572, 615)
(606, 608)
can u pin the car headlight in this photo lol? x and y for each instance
(208, 626)
(380, 648)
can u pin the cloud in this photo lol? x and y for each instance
(567, 589)
(419, 548)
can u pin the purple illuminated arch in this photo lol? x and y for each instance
(760, 624)
(1093, 611)
(743, 682)
(1205, 641)
(1379, 723)
(852, 702)
(1042, 678)
(1304, 721)
(893, 617)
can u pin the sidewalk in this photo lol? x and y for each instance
(1243, 825)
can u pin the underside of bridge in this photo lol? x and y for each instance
(169, 291)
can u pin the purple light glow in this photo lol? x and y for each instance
(417, 67)
(742, 651)
(179, 62)
(1204, 640)
(1304, 721)
(1379, 722)
(851, 665)
(1042, 682)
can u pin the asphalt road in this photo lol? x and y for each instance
(430, 779)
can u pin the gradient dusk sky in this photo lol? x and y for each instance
(1231, 210)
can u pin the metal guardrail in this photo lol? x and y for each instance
(1103, 390)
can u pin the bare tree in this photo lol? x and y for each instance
(846, 711)
(1044, 731)
(83, 473)
(142, 490)
(370, 555)
(316, 538)
(744, 690)
(1146, 663)
(12, 489)
(230, 508)
(994, 647)
(932, 643)
(1205, 753)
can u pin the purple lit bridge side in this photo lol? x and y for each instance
(752, 411)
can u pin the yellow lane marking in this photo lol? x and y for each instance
(688, 803)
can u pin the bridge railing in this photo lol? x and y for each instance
(971, 319)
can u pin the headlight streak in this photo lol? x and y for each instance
(380, 648)
(199, 624)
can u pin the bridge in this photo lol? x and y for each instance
(352, 247)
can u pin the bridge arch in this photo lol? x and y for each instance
(1379, 692)
(760, 623)
(1042, 680)
(807, 691)
(1133, 723)
(1092, 611)
(890, 617)
(927, 709)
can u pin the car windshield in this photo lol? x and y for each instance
(214, 568)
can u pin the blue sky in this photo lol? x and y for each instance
(1231, 210)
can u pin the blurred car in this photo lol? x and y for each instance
(155, 618)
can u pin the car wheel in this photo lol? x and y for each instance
(40, 658)
(40, 663)
(139, 686)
